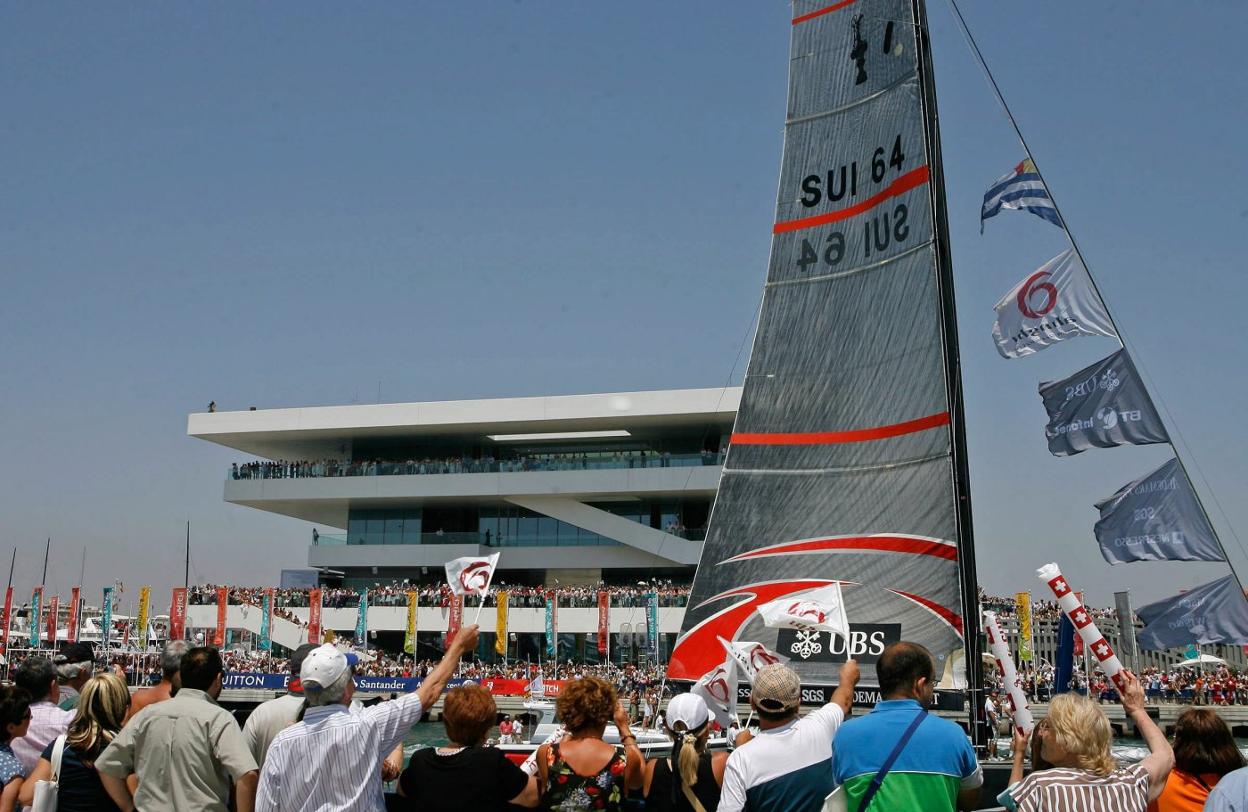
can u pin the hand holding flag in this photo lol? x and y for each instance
(718, 687)
(822, 609)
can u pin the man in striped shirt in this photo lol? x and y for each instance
(330, 761)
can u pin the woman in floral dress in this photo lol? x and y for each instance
(583, 772)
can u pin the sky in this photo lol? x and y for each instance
(285, 205)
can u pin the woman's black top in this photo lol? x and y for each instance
(80, 787)
(474, 778)
(667, 796)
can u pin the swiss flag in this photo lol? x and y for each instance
(1120, 682)
(1080, 617)
(1059, 586)
(1102, 650)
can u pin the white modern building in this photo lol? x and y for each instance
(578, 489)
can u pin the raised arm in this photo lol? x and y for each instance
(844, 693)
(431, 687)
(1160, 759)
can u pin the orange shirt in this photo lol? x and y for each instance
(1184, 792)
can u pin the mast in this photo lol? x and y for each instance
(186, 572)
(12, 564)
(46, 550)
(953, 383)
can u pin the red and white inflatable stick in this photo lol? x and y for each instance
(1014, 689)
(1092, 638)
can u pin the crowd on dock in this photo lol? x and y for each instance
(315, 748)
(465, 464)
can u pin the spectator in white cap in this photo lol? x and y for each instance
(330, 759)
(689, 780)
(787, 767)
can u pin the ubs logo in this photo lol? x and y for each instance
(866, 643)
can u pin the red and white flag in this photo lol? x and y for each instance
(718, 688)
(751, 657)
(1085, 626)
(471, 575)
(822, 609)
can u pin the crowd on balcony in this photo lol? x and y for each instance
(1005, 607)
(466, 464)
(438, 594)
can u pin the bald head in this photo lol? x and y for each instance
(900, 668)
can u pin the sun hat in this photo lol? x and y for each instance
(777, 688)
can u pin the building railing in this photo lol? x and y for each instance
(487, 540)
(307, 469)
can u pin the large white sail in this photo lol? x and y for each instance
(846, 463)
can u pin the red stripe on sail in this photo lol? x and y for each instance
(912, 179)
(834, 437)
(946, 614)
(888, 544)
(822, 11)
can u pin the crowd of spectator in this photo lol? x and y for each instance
(438, 594)
(466, 464)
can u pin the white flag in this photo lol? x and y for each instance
(750, 657)
(537, 688)
(822, 609)
(1054, 303)
(471, 575)
(718, 688)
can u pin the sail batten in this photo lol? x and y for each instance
(845, 465)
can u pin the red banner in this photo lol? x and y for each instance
(518, 687)
(314, 616)
(1078, 650)
(604, 621)
(75, 598)
(177, 614)
(454, 618)
(54, 606)
(4, 619)
(218, 636)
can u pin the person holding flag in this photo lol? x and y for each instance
(472, 575)
(788, 765)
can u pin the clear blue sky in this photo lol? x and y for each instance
(301, 204)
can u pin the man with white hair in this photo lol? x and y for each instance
(330, 759)
(75, 664)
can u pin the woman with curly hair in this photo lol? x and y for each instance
(583, 772)
(1075, 738)
(102, 707)
(1204, 751)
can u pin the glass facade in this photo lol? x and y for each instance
(393, 526)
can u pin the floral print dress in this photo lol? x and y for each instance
(568, 791)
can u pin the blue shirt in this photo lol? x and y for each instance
(10, 767)
(1231, 793)
(935, 765)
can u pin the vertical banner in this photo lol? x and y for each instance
(361, 619)
(36, 615)
(223, 601)
(1126, 623)
(54, 606)
(454, 618)
(6, 618)
(552, 643)
(652, 624)
(314, 616)
(145, 605)
(604, 621)
(1064, 668)
(500, 626)
(409, 636)
(1026, 642)
(266, 620)
(177, 614)
(106, 617)
(75, 607)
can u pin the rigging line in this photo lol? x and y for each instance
(1122, 341)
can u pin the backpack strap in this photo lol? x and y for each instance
(878, 781)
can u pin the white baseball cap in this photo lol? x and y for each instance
(324, 665)
(689, 709)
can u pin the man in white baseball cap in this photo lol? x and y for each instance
(329, 759)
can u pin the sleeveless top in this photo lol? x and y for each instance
(667, 796)
(567, 791)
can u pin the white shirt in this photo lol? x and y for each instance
(267, 720)
(784, 764)
(331, 761)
